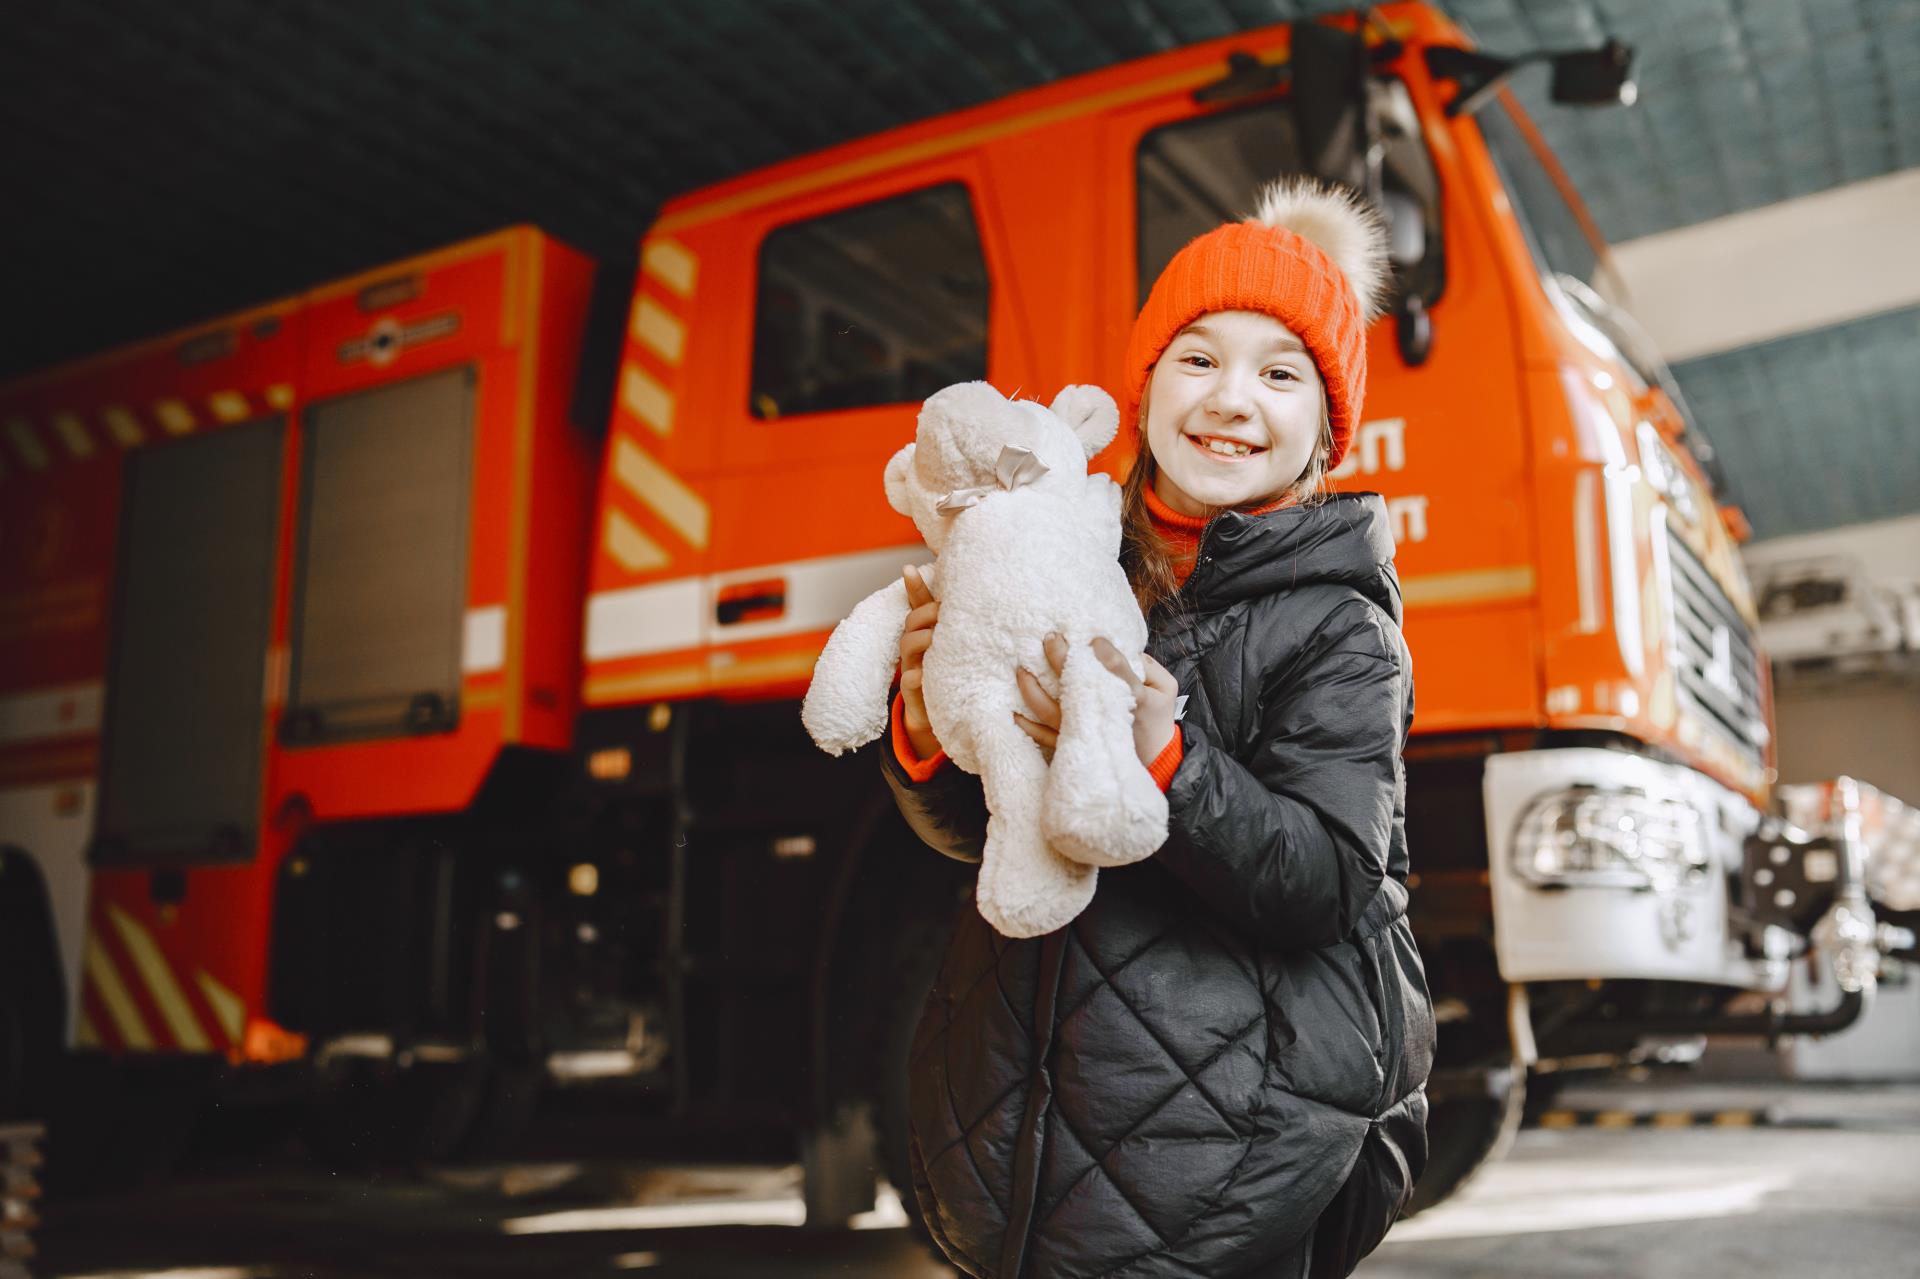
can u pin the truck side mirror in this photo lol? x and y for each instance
(1595, 77)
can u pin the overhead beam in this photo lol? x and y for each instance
(1803, 264)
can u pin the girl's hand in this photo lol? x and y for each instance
(913, 648)
(1154, 699)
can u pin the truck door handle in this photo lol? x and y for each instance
(757, 601)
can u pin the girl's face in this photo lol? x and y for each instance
(1233, 412)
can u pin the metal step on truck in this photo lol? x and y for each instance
(399, 682)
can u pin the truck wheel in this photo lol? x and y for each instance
(1473, 1115)
(915, 961)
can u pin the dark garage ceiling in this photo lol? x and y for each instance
(167, 163)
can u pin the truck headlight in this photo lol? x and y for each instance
(1584, 838)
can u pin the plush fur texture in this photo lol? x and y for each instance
(1346, 228)
(1013, 565)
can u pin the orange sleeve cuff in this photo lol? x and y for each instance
(1167, 762)
(918, 769)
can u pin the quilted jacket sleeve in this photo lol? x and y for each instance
(1293, 843)
(948, 810)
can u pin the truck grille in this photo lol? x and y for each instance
(1714, 654)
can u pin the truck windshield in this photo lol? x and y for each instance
(1195, 174)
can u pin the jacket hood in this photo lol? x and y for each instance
(1342, 539)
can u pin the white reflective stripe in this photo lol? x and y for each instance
(225, 1004)
(657, 330)
(647, 400)
(68, 710)
(663, 492)
(666, 617)
(484, 646)
(175, 416)
(660, 618)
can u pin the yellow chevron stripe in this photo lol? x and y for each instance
(86, 1034)
(664, 493)
(113, 993)
(1478, 586)
(636, 552)
(158, 976)
(229, 406)
(646, 399)
(123, 426)
(280, 396)
(73, 434)
(227, 1006)
(656, 329)
(175, 416)
(31, 450)
(671, 263)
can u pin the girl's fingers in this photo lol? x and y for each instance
(1041, 707)
(910, 681)
(917, 592)
(1040, 733)
(1055, 647)
(1111, 659)
(1160, 678)
(915, 643)
(924, 616)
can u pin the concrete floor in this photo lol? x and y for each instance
(1830, 1187)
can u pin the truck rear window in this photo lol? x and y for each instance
(880, 304)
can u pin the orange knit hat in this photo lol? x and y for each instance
(1312, 257)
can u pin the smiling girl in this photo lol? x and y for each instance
(1218, 1068)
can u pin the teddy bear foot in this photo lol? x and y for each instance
(1034, 893)
(1112, 826)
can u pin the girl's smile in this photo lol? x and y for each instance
(1234, 409)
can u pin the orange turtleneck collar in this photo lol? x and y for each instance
(1181, 533)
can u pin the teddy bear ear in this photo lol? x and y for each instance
(1091, 413)
(897, 467)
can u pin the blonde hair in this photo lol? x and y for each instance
(1145, 555)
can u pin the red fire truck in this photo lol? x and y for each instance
(398, 682)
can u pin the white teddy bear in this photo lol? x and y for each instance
(1027, 542)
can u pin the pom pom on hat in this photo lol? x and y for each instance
(1314, 257)
(1344, 226)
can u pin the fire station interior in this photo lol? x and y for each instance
(437, 441)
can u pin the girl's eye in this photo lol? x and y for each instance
(1284, 375)
(1198, 361)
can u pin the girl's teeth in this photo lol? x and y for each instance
(1230, 449)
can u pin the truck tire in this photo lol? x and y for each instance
(1471, 1122)
(916, 953)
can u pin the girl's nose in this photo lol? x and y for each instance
(1229, 400)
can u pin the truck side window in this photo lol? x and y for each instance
(881, 304)
(1554, 232)
(1193, 175)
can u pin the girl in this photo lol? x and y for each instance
(1218, 1069)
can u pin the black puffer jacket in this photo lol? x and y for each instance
(1218, 1069)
